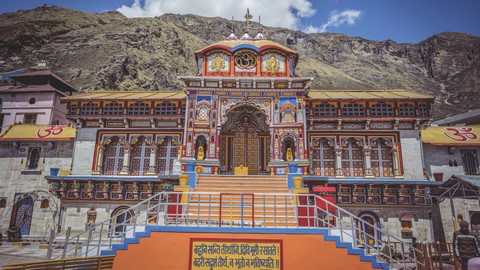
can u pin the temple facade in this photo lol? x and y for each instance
(246, 107)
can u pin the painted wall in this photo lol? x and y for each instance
(170, 250)
(47, 107)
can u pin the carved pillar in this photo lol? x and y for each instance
(98, 169)
(396, 162)
(338, 161)
(152, 168)
(367, 150)
(126, 160)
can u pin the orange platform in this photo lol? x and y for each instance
(173, 250)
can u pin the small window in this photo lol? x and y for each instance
(470, 162)
(72, 110)
(32, 101)
(3, 203)
(44, 204)
(113, 108)
(33, 157)
(139, 108)
(406, 110)
(381, 109)
(407, 227)
(324, 109)
(423, 110)
(166, 108)
(89, 108)
(353, 109)
(30, 118)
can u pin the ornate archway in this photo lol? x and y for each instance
(245, 140)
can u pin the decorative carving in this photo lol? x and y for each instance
(218, 63)
(272, 64)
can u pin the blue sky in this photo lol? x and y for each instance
(399, 20)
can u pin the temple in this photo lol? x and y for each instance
(246, 112)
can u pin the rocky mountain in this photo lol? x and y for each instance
(110, 51)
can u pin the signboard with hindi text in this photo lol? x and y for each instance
(211, 254)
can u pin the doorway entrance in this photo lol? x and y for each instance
(245, 140)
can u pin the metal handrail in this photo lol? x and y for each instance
(203, 209)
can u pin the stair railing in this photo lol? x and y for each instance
(361, 233)
(283, 210)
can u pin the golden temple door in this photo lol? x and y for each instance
(245, 141)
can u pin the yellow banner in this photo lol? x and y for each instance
(210, 254)
(39, 132)
(455, 136)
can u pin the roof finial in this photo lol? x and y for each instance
(232, 32)
(248, 17)
(260, 31)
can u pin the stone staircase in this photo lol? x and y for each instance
(249, 200)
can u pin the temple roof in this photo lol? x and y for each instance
(367, 94)
(257, 45)
(127, 95)
(30, 132)
(41, 77)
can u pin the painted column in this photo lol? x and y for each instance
(98, 169)
(153, 158)
(367, 150)
(338, 161)
(396, 165)
(126, 160)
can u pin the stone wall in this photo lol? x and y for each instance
(390, 221)
(462, 207)
(438, 158)
(411, 150)
(84, 151)
(16, 178)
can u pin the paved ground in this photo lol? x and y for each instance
(14, 254)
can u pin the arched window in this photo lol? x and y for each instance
(167, 153)
(423, 110)
(33, 157)
(381, 109)
(139, 108)
(113, 108)
(323, 158)
(121, 218)
(324, 109)
(352, 159)
(89, 108)
(381, 159)
(166, 108)
(288, 116)
(407, 226)
(353, 109)
(203, 113)
(140, 161)
(406, 110)
(113, 157)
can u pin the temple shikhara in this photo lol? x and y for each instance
(247, 143)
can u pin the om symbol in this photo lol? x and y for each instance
(461, 134)
(49, 131)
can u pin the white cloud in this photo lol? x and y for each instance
(336, 19)
(281, 13)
